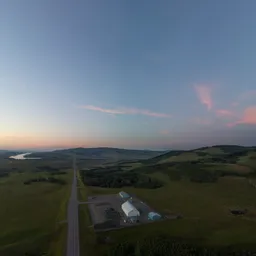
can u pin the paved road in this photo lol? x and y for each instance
(73, 228)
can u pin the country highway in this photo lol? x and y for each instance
(73, 227)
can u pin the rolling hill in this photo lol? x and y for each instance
(203, 164)
(103, 153)
(220, 152)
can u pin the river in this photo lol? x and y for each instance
(23, 157)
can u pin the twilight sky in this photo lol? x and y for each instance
(161, 74)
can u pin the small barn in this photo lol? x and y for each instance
(124, 195)
(129, 210)
(154, 216)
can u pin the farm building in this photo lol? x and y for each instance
(129, 210)
(154, 216)
(124, 195)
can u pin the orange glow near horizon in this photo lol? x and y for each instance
(41, 142)
(33, 142)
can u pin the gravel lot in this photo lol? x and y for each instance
(114, 218)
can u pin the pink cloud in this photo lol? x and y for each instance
(249, 117)
(126, 111)
(104, 110)
(204, 94)
(224, 113)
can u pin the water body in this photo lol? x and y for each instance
(23, 157)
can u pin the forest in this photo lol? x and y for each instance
(117, 179)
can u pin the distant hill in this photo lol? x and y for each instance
(115, 153)
(106, 153)
(199, 153)
(164, 156)
(205, 164)
(201, 165)
(3, 151)
(5, 154)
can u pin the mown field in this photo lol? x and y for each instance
(205, 207)
(32, 217)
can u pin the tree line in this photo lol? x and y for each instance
(116, 179)
(45, 179)
(4, 174)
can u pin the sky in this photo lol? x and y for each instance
(165, 74)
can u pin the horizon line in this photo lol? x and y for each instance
(105, 147)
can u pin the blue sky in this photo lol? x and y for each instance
(134, 74)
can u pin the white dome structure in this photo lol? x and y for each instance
(129, 210)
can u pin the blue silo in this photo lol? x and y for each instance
(154, 216)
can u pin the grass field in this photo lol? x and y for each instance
(212, 151)
(205, 209)
(187, 156)
(235, 168)
(86, 231)
(32, 216)
(205, 206)
(249, 160)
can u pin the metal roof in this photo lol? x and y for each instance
(128, 207)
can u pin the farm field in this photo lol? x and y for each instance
(202, 186)
(32, 217)
(205, 205)
(205, 211)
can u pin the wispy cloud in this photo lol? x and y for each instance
(104, 110)
(224, 113)
(249, 117)
(126, 111)
(204, 95)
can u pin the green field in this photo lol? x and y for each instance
(249, 160)
(205, 210)
(210, 182)
(32, 217)
(86, 232)
(187, 156)
(205, 206)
